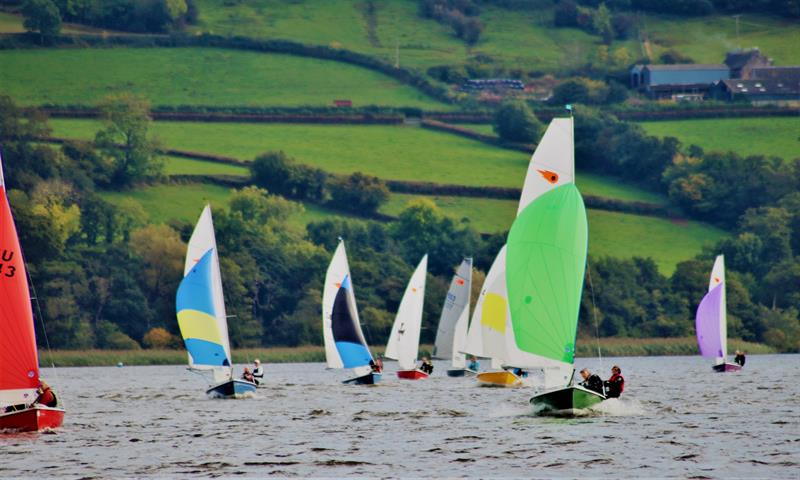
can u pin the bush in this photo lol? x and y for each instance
(160, 338)
(671, 57)
(110, 336)
(358, 193)
(515, 122)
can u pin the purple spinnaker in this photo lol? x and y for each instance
(707, 324)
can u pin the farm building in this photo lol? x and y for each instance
(742, 62)
(769, 91)
(674, 81)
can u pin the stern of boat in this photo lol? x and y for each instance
(727, 367)
(501, 379)
(33, 419)
(411, 374)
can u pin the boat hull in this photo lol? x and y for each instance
(502, 379)
(232, 389)
(33, 419)
(726, 367)
(369, 379)
(566, 401)
(461, 372)
(411, 374)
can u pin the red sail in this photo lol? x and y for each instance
(19, 362)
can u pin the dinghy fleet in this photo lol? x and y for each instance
(525, 317)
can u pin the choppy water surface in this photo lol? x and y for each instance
(676, 419)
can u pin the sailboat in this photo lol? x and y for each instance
(711, 321)
(200, 307)
(403, 344)
(547, 247)
(19, 358)
(451, 336)
(345, 346)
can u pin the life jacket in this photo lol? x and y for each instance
(47, 398)
(618, 379)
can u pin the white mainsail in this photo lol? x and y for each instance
(338, 270)
(718, 277)
(202, 240)
(403, 343)
(452, 332)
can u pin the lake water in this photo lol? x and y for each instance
(676, 419)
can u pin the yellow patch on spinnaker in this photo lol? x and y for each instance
(494, 312)
(199, 325)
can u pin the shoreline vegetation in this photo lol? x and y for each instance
(610, 347)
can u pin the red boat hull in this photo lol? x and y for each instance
(411, 374)
(32, 419)
(726, 367)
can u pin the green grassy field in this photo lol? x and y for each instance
(180, 202)
(389, 152)
(706, 39)
(615, 234)
(188, 166)
(521, 39)
(197, 76)
(776, 136)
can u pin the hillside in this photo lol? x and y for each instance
(779, 136)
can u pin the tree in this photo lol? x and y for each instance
(358, 193)
(515, 122)
(126, 139)
(159, 337)
(41, 16)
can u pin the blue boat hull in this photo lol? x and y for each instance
(368, 379)
(232, 389)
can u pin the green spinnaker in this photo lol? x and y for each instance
(545, 264)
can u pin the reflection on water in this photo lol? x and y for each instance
(675, 419)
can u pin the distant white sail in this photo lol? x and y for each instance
(403, 344)
(452, 332)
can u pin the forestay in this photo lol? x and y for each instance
(19, 360)
(451, 335)
(403, 344)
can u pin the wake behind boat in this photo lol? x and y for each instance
(200, 306)
(19, 358)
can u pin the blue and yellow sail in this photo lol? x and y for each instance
(197, 316)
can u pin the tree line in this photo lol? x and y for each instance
(107, 278)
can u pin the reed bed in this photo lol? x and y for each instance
(612, 347)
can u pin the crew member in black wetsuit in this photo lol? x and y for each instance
(426, 366)
(591, 381)
(616, 384)
(739, 358)
(258, 371)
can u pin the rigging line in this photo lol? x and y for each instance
(594, 315)
(44, 329)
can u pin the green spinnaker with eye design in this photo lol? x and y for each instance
(545, 264)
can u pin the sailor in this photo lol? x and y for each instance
(473, 364)
(739, 358)
(519, 372)
(426, 366)
(591, 381)
(46, 396)
(376, 365)
(248, 375)
(258, 371)
(616, 384)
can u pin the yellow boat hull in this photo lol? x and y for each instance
(502, 379)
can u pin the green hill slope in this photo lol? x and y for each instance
(773, 136)
(197, 76)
